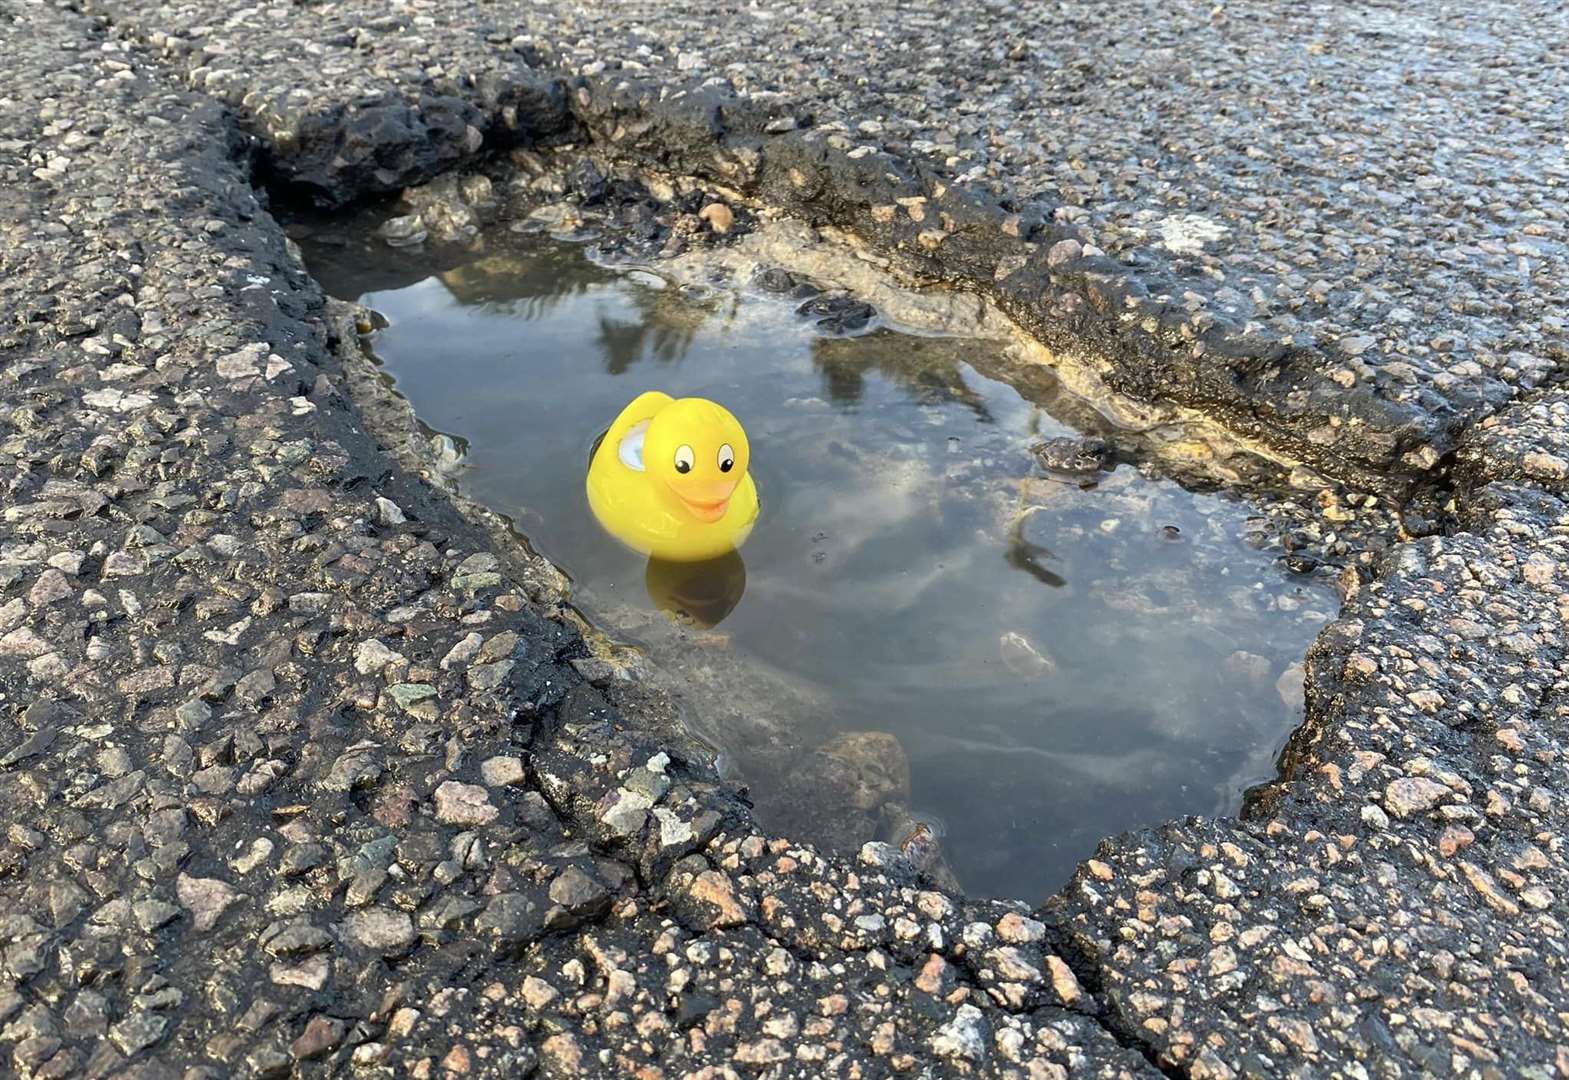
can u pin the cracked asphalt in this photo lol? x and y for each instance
(299, 774)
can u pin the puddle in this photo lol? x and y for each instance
(927, 624)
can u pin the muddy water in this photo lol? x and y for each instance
(929, 624)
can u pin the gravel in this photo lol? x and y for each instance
(250, 752)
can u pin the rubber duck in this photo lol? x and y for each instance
(669, 479)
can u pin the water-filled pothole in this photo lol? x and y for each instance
(954, 609)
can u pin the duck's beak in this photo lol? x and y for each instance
(706, 502)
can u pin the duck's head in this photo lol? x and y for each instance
(697, 450)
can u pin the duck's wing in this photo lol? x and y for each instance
(630, 449)
(641, 411)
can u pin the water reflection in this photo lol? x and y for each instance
(659, 329)
(701, 593)
(528, 288)
(1029, 556)
(661, 324)
(929, 369)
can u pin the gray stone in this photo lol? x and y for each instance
(464, 804)
(371, 656)
(579, 892)
(388, 512)
(963, 1037)
(138, 1031)
(380, 929)
(52, 586)
(206, 898)
(1411, 795)
(513, 919)
(503, 770)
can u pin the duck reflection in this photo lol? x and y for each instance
(702, 593)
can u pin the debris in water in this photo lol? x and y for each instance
(449, 453)
(1246, 665)
(1291, 687)
(874, 767)
(1077, 456)
(1024, 659)
(919, 844)
(404, 231)
(839, 315)
(920, 847)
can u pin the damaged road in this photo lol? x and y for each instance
(299, 773)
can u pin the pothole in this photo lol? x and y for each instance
(979, 608)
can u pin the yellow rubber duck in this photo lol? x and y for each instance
(670, 479)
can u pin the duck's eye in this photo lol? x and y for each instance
(684, 459)
(726, 458)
